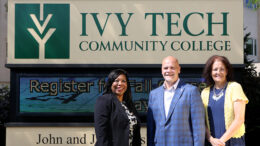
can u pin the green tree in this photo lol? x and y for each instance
(255, 3)
(4, 104)
(4, 108)
(251, 86)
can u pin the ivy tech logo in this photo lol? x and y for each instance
(42, 31)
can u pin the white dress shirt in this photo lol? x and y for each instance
(168, 96)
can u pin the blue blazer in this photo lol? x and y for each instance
(185, 123)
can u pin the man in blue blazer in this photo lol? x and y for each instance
(175, 111)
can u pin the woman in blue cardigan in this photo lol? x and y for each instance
(116, 121)
(224, 102)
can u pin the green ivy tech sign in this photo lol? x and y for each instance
(123, 32)
(42, 31)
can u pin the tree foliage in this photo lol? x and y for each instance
(251, 86)
(253, 3)
(4, 104)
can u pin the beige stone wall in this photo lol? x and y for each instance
(4, 72)
(50, 136)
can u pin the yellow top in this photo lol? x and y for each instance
(234, 92)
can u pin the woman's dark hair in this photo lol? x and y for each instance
(208, 69)
(127, 98)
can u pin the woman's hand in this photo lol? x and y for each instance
(216, 142)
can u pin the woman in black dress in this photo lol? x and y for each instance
(116, 121)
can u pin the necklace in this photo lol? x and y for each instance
(215, 96)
